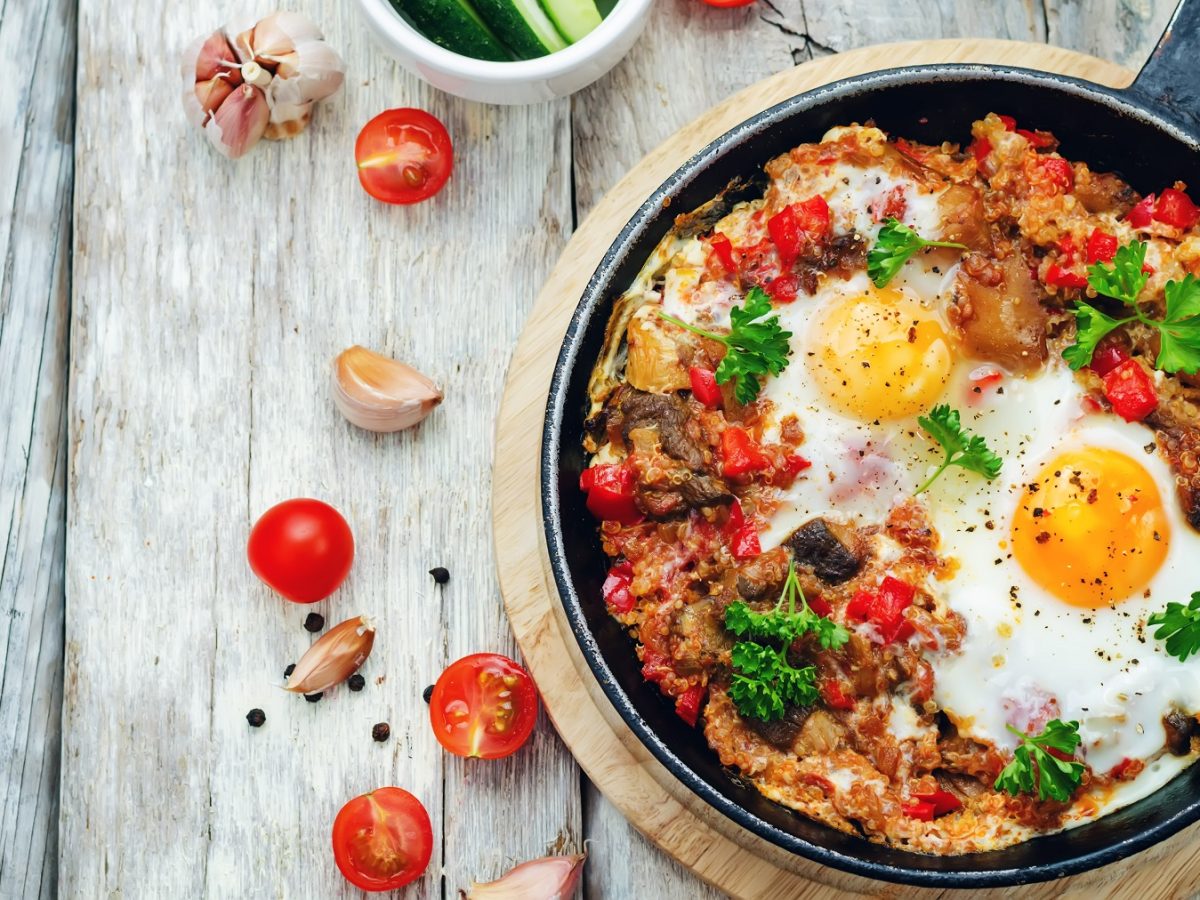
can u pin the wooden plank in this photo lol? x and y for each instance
(37, 51)
(1124, 31)
(210, 298)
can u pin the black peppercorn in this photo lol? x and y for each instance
(313, 698)
(314, 622)
(381, 732)
(287, 673)
(356, 682)
(440, 574)
(427, 694)
(256, 717)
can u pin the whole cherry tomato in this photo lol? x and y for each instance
(404, 156)
(382, 840)
(484, 706)
(301, 549)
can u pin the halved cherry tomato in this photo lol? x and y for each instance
(483, 706)
(404, 156)
(302, 549)
(382, 840)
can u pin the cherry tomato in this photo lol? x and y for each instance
(404, 156)
(726, 4)
(301, 549)
(382, 840)
(484, 706)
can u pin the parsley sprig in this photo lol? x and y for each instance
(896, 245)
(756, 345)
(1124, 280)
(1033, 765)
(1179, 626)
(764, 682)
(963, 449)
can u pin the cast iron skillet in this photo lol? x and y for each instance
(1149, 132)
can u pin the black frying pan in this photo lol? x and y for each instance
(1148, 133)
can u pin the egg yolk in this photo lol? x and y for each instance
(879, 356)
(1091, 529)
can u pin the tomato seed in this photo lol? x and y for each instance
(356, 682)
(414, 176)
(313, 698)
(256, 717)
(314, 622)
(381, 732)
(440, 575)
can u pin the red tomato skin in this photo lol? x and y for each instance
(464, 676)
(404, 816)
(388, 133)
(728, 4)
(302, 549)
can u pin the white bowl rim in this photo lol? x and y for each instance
(625, 15)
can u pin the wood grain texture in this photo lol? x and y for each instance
(210, 298)
(612, 756)
(37, 58)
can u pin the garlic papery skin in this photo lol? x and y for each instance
(334, 658)
(549, 878)
(282, 56)
(381, 394)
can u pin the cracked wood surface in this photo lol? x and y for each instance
(208, 298)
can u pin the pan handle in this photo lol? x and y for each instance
(1170, 77)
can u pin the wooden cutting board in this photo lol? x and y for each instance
(712, 846)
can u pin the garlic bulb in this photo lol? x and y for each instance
(258, 78)
(334, 658)
(549, 878)
(381, 394)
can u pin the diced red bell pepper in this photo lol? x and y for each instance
(687, 704)
(859, 606)
(892, 205)
(737, 518)
(893, 599)
(943, 802)
(813, 216)
(1010, 124)
(654, 666)
(704, 386)
(820, 606)
(617, 593)
(1176, 208)
(792, 226)
(834, 696)
(1143, 214)
(794, 465)
(739, 454)
(1060, 171)
(1067, 249)
(610, 493)
(1065, 278)
(1101, 246)
(723, 250)
(1109, 354)
(745, 543)
(980, 149)
(783, 289)
(1126, 769)
(919, 809)
(1039, 141)
(1130, 391)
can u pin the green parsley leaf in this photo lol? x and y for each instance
(1179, 626)
(756, 345)
(1032, 765)
(764, 682)
(963, 449)
(1180, 345)
(1124, 279)
(1091, 326)
(896, 245)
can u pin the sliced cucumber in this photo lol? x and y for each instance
(455, 25)
(575, 19)
(523, 25)
(605, 7)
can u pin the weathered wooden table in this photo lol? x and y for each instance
(166, 324)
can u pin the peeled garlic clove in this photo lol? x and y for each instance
(381, 394)
(549, 878)
(334, 658)
(239, 122)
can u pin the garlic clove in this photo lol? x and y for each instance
(292, 119)
(210, 74)
(334, 658)
(549, 878)
(279, 33)
(381, 394)
(239, 122)
(312, 71)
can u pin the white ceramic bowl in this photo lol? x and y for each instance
(526, 81)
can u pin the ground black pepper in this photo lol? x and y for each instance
(256, 717)
(356, 682)
(440, 574)
(427, 694)
(287, 673)
(314, 622)
(381, 732)
(313, 698)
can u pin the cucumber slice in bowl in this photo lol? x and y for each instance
(574, 18)
(455, 25)
(523, 25)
